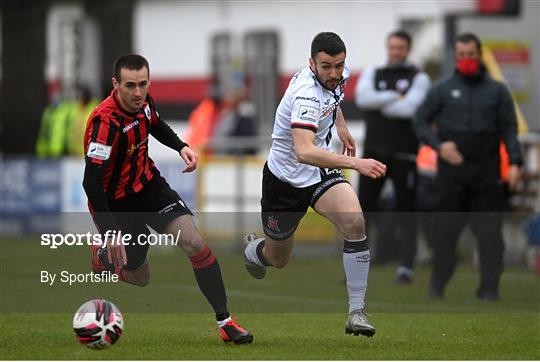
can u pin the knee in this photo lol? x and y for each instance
(353, 226)
(192, 244)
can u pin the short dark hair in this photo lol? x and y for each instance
(327, 42)
(131, 62)
(402, 34)
(467, 38)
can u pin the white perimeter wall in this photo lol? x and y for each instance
(175, 35)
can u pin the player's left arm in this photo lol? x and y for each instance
(349, 147)
(406, 105)
(165, 135)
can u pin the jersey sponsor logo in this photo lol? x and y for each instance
(132, 148)
(98, 151)
(327, 110)
(130, 126)
(308, 113)
(313, 99)
(330, 108)
(147, 111)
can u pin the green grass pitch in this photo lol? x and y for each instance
(297, 313)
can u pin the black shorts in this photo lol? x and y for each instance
(156, 205)
(283, 205)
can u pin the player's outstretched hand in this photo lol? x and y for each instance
(190, 158)
(370, 167)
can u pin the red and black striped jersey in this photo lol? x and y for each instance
(117, 140)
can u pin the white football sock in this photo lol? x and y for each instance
(356, 261)
(251, 252)
(223, 322)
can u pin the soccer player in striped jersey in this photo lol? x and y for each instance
(302, 171)
(126, 191)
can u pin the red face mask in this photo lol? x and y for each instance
(467, 67)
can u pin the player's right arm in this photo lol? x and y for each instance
(306, 152)
(102, 134)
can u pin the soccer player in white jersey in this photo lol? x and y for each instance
(302, 171)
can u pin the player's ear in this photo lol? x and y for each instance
(312, 64)
(115, 83)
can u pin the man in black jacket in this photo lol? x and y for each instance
(472, 113)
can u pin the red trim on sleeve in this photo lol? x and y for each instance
(304, 125)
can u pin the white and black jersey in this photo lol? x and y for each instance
(306, 104)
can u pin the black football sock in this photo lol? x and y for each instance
(208, 275)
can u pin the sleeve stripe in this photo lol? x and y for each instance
(96, 121)
(308, 126)
(304, 124)
(96, 130)
(111, 135)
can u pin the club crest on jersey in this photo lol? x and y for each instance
(272, 224)
(308, 113)
(402, 85)
(147, 111)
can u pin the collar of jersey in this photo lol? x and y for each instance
(119, 105)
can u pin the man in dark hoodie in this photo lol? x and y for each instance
(472, 113)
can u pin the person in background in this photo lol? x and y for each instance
(54, 138)
(390, 96)
(472, 113)
(237, 119)
(77, 125)
(203, 120)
